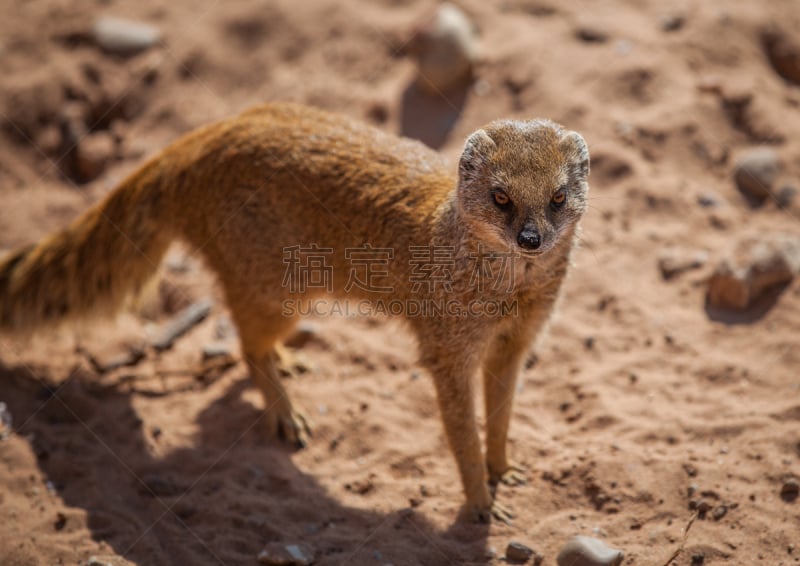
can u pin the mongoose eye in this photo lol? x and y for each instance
(501, 199)
(559, 198)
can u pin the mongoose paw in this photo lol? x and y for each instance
(513, 476)
(484, 514)
(501, 513)
(291, 364)
(293, 428)
(475, 514)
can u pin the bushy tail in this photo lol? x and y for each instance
(91, 267)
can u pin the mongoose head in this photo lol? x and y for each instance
(523, 184)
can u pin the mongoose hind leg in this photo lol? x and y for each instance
(259, 336)
(282, 419)
(291, 363)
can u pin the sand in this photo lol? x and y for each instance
(640, 404)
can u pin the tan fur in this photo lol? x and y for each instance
(282, 175)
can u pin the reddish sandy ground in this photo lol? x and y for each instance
(639, 393)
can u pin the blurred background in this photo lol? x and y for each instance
(668, 384)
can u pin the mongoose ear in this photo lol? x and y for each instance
(478, 147)
(574, 146)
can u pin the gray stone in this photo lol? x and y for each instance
(756, 172)
(281, 554)
(586, 551)
(518, 553)
(446, 50)
(790, 490)
(783, 51)
(216, 350)
(124, 37)
(754, 266)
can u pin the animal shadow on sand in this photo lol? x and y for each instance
(430, 117)
(218, 500)
(751, 314)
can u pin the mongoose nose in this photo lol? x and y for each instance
(529, 239)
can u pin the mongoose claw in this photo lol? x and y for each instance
(513, 476)
(292, 364)
(501, 513)
(484, 514)
(293, 429)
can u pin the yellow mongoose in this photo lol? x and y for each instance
(282, 176)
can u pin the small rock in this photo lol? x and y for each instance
(785, 196)
(790, 490)
(590, 34)
(719, 512)
(305, 332)
(124, 37)
(518, 553)
(708, 200)
(361, 487)
(701, 506)
(280, 554)
(756, 171)
(92, 155)
(378, 112)
(675, 261)
(446, 50)
(698, 559)
(108, 560)
(672, 22)
(755, 266)
(216, 350)
(60, 522)
(6, 420)
(586, 551)
(783, 51)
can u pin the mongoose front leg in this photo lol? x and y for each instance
(453, 375)
(454, 391)
(500, 369)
